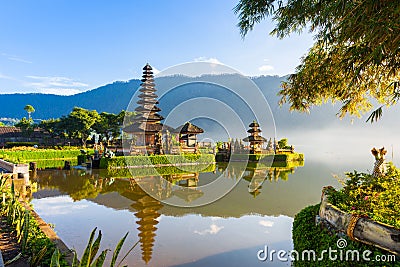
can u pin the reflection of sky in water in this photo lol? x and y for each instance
(179, 240)
(231, 230)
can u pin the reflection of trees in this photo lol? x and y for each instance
(77, 184)
(81, 184)
(186, 179)
(81, 190)
(257, 174)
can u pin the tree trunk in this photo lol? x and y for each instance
(365, 230)
(83, 140)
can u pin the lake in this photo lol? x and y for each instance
(226, 232)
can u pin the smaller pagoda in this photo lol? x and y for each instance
(256, 141)
(188, 134)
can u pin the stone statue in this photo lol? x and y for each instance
(380, 165)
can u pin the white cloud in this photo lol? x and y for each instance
(266, 223)
(61, 205)
(43, 82)
(16, 58)
(265, 68)
(206, 59)
(20, 60)
(3, 76)
(55, 85)
(214, 229)
(59, 91)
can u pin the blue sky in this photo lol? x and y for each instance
(68, 46)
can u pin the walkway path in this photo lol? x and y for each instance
(9, 248)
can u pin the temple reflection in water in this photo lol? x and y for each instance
(90, 185)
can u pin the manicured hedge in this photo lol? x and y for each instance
(123, 162)
(53, 164)
(309, 236)
(266, 158)
(38, 154)
(15, 144)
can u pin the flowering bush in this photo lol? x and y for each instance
(376, 197)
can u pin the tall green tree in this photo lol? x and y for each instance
(30, 109)
(355, 58)
(78, 124)
(26, 125)
(50, 126)
(55, 127)
(128, 117)
(109, 125)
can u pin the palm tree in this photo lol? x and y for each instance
(29, 109)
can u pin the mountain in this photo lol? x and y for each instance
(116, 96)
(110, 98)
(207, 96)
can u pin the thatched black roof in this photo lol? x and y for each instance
(188, 194)
(254, 131)
(187, 137)
(140, 127)
(147, 67)
(256, 138)
(147, 108)
(149, 88)
(254, 124)
(148, 117)
(148, 94)
(189, 128)
(147, 101)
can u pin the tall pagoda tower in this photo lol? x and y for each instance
(254, 138)
(147, 126)
(148, 99)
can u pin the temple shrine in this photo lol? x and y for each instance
(149, 135)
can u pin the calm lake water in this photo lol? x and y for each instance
(227, 232)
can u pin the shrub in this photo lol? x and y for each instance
(34, 243)
(25, 156)
(376, 197)
(53, 164)
(283, 143)
(268, 158)
(81, 159)
(18, 144)
(308, 236)
(123, 162)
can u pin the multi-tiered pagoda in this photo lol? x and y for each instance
(147, 127)
(254, 138)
